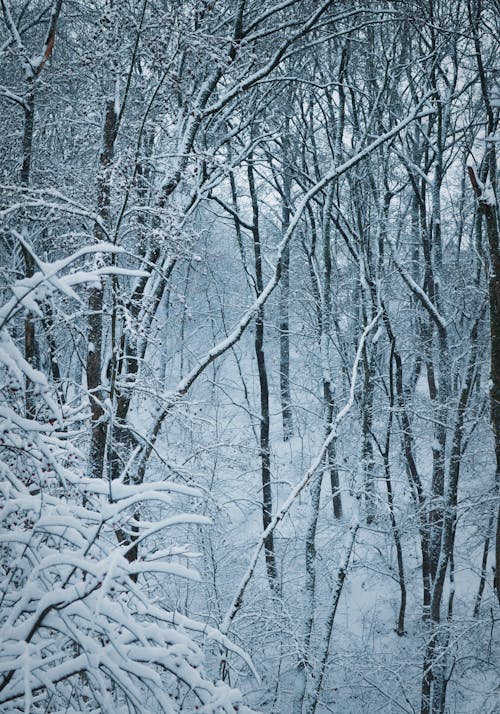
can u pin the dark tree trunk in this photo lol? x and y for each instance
(265, 453)
(30, 346)
(400, 628)
(325, 324)
(489, 212)
(284, 297)
(97, 449)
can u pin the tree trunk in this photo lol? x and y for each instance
(325, 644)
(97, 395)
(325, 336)
(264, 436)
(284, 297)
(400, 627)
(30, 348)
(488, 204)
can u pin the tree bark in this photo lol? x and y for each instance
(264, 435)
(94, 367)
(284, 298)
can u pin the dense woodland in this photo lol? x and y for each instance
(249, 356)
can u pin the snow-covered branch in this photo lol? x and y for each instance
(303, 483)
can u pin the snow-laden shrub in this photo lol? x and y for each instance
(78, 633)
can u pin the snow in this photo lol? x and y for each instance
(147, 588)
(488, 197)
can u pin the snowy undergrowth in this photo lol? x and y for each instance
(79, 630)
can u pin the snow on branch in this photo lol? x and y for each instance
(73, 615)
(305, 481)
(419, 293)
(232, 338)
